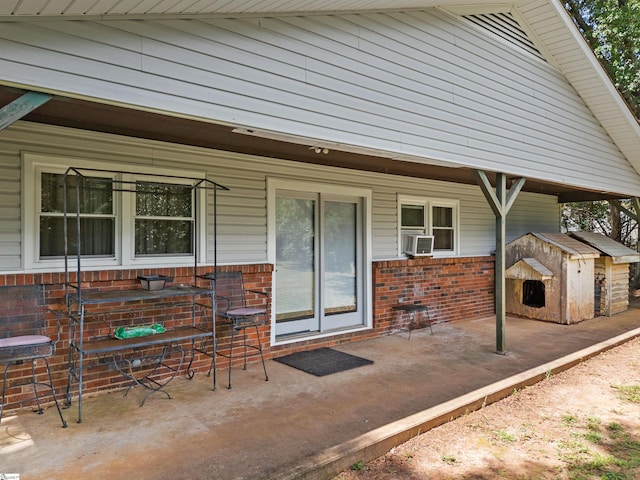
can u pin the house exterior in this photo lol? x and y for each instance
(337, 131)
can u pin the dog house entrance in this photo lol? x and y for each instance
(533, 293)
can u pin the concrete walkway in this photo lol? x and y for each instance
(297, 425)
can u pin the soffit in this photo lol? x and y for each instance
(147, 8)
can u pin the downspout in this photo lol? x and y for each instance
(500, 202)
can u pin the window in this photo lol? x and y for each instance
(424, 216)
(97, 218)
(125, 218)
(442, 228)
(164, 219)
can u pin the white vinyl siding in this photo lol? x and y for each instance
(10, 238)
(419, 83)
(242, 222)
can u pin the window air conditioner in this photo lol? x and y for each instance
(418, 245)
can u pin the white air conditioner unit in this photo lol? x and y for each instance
(418, 245)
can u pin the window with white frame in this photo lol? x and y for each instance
(427, 216)
(90, 197)
(124, 218)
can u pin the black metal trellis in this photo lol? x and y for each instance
(74, 292)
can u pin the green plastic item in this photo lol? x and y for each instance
(139, 331)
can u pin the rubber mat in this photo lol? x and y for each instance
(323, 361)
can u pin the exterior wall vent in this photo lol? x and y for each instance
(505, 26)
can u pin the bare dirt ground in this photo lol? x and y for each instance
(583, 423)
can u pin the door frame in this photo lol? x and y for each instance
(365, 194)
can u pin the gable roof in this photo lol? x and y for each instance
(528, 269)
(571, 246)
(547, 26)
(618, 252)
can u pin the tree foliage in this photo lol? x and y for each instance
(612, 29)
(612, 218)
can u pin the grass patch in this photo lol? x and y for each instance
(593, 423)
(628, 393)
(572, 450)
(615, 427)
(569, 419)
(617, 456)
(613, 476)
(505, 436)
(594, 437)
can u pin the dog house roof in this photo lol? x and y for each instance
(608, 246)
(571, 246)
(529, 269)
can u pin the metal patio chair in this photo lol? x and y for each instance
(232, 304)
(23, 338)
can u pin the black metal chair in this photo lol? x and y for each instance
(23, 338)
(231, 300)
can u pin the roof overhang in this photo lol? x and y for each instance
(119, 120)
(136, 9)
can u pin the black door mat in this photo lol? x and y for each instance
(323, 361)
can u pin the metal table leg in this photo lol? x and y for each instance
(140, 369)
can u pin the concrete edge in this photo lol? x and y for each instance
(371, 445)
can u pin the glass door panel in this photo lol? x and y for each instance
(295, 265)
(340, 258)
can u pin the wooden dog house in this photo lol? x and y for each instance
(550, 278)
(611, 272)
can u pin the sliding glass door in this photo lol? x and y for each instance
(319, 263)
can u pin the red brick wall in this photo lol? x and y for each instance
(454, 289)
(101, 374)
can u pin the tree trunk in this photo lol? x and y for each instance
(616, 222)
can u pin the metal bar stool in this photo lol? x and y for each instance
(23, 338)
(231, 304)
(412, 309)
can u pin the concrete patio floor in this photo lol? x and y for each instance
(298, 425)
